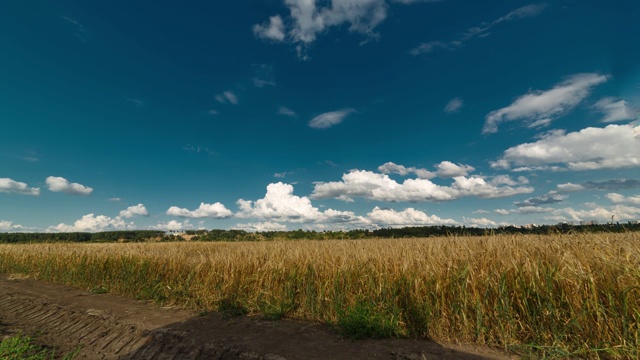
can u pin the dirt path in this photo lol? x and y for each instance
(107, 326)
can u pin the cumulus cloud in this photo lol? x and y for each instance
(10, 226)
(215, 211)
(173, 225)
(621, 199)
(538, 108)
(280, 204)
(445, 169)
(407, 217)
(60, 184)
(227, 97)
(603, 214)
(524, 210)
(273, 30)
(479, 222)
(614, 184)
(393, 168)
(309, 18)
(448, 169)
(453, 106)
(614, 110)
(261, 226)
(329, 119)
(615, 146)
(16, 187)
(136, 210)
(482, 30)
(92, 223)
(374, 186)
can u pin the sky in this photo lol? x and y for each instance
(320, 115)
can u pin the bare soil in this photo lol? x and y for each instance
(107, 326)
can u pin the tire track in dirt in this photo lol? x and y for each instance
(109, 327)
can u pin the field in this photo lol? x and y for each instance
(554, 296)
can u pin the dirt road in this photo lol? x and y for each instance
(107, 326)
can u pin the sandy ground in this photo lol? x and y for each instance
(106, 326)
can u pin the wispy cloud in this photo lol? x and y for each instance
(227, 97)
(16, 187)
(453, 106)
(538, 108)
(79, 29)
(330, 119)
(197, 149)
(282, 175)
(263, 75)
(282, 110)
(615, 110)
(136, 102)
(482, 30)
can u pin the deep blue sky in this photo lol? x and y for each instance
(311, 114)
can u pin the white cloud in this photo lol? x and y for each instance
(570, 187)
(310, 18)
(615, 146)
(279, 204)
(60, 184)
(115, 199)
(524, 210)
(215, 211)
(10, 226)
(407, 217)
(392, 168)
(615, 110)
(261, 226)
(92, 223)
(132, 211)
(453, 106)
(173, 225)
(482, 30)
(540, 107)
(621, 199)
(227, 97)
(448, 169)
(286, 111)
(370, 185)
(445, 169)
(16, 187)
(479, 222)
(602, 214)
(329, 119)
(274, 30)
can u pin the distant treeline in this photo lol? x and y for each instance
(241, 235)
(105, 236)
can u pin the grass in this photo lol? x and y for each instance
(550, 296)
(20, 347)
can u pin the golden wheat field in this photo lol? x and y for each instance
(565, 295)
